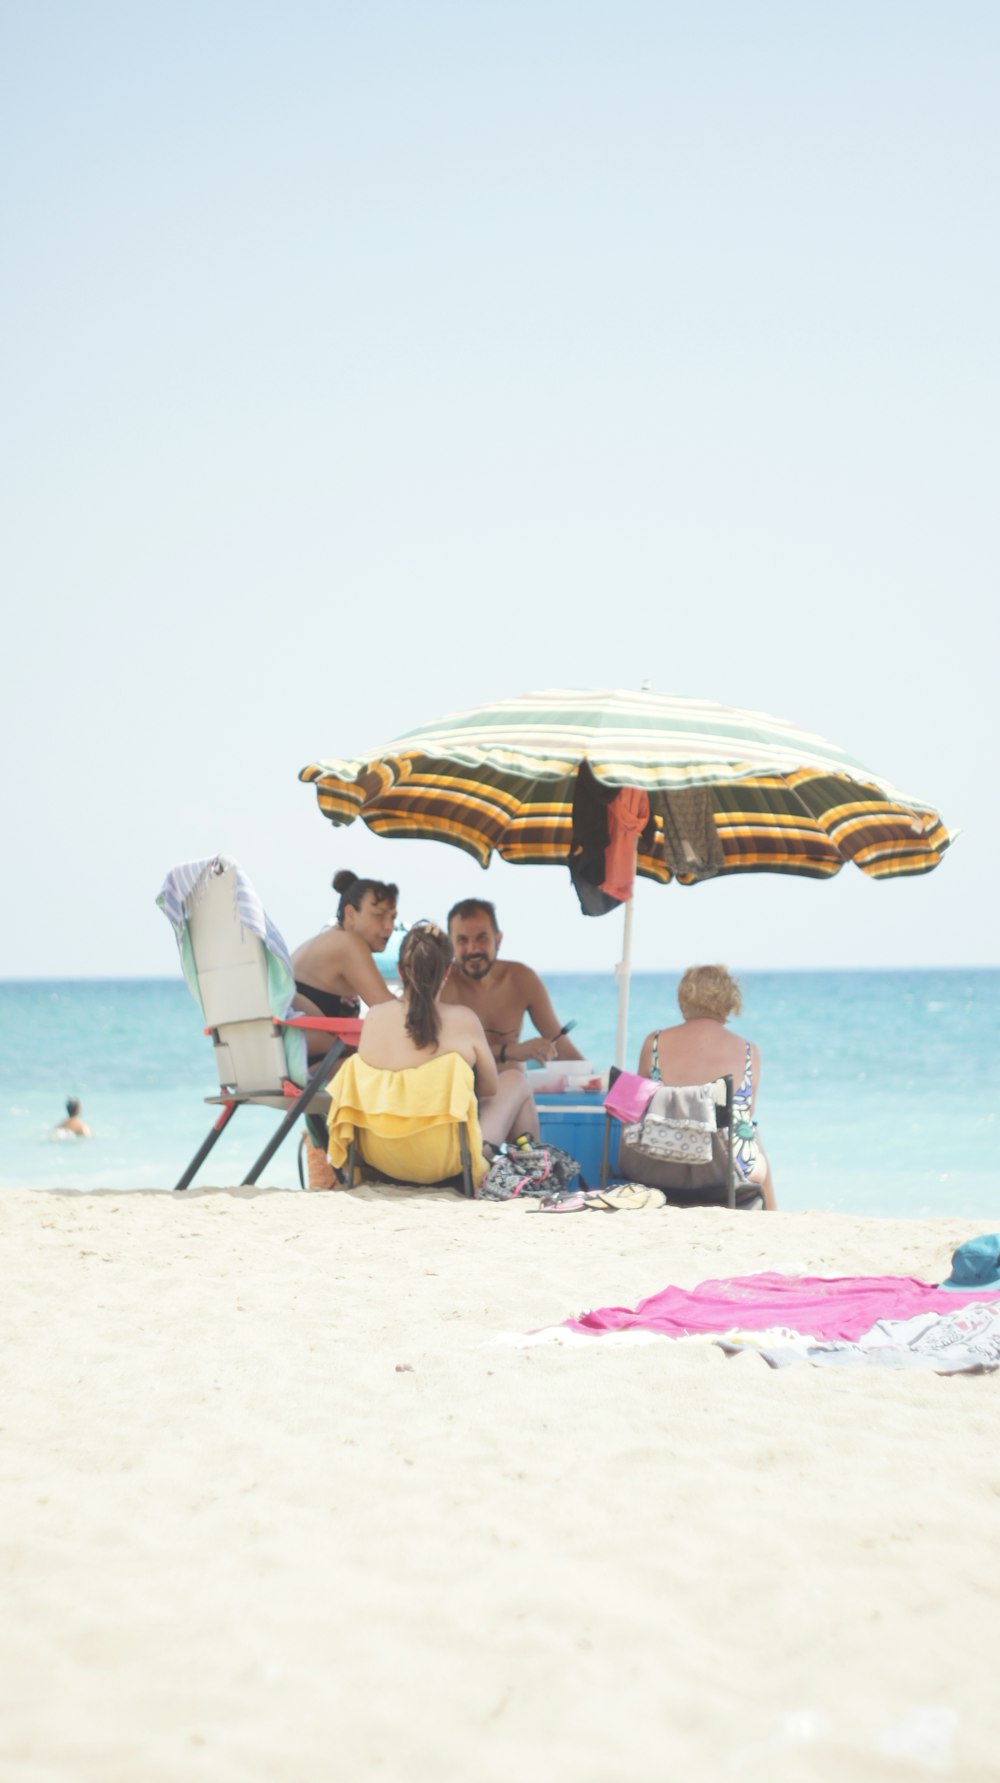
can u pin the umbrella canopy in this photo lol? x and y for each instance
(502, 778)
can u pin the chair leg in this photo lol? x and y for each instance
(202, 1153)
(605, 1151)
(315, 1083)
(468, 1188)
(352, 1158)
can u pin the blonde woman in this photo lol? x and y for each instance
(702, 1047)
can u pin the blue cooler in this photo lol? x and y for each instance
(574, 1120)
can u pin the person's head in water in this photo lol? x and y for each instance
(424, 963)
(474, 935)
(367, 908)
(708, 992)
(74, 1122)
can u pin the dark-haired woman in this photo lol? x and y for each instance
(336, 969)
(416, 1057)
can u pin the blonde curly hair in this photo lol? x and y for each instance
(709, 991)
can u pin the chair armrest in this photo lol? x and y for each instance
(347, 1028)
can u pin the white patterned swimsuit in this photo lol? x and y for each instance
(745, 1149)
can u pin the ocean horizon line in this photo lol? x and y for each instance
(139, 978)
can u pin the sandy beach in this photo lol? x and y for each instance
(276, 1504)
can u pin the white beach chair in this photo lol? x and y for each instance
(238, 969)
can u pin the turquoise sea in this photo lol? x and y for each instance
(880, 1090)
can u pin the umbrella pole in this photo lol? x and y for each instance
(623, 972)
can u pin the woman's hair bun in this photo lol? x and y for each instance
(343, 880)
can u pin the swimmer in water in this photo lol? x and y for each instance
(74, 1122)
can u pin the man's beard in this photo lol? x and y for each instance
(477, 965)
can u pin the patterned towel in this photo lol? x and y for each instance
(183, 888)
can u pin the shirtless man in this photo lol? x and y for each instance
(502, 992)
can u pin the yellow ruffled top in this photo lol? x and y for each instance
(407, 1121)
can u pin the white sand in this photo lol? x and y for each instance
(275, 1507)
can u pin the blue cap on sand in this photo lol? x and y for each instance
(976, 1263)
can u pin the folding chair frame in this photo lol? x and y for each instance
(463, 1146)
(345, 1034)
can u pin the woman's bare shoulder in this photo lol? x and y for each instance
(456, 1019)
(382, 1023)
(326, 948)
(461, 1029)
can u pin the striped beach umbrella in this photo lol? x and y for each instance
(502, 778)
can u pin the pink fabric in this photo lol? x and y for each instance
(629, 1096)
(628, 815)
(840, 1306)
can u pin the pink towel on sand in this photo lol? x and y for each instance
(840, 1306)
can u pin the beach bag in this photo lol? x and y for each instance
(629, 1096)
(677, 1125)
(529, 1170)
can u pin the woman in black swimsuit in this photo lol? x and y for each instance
(336, 969)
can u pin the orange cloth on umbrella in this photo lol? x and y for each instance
(628, 815)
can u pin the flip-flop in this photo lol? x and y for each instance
(627, 1195)
(574, 1203)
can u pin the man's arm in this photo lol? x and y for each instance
(539, 1007)
(485, 1068)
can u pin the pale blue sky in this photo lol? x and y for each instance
(361, 363)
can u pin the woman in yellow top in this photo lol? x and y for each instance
(419, 1059)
